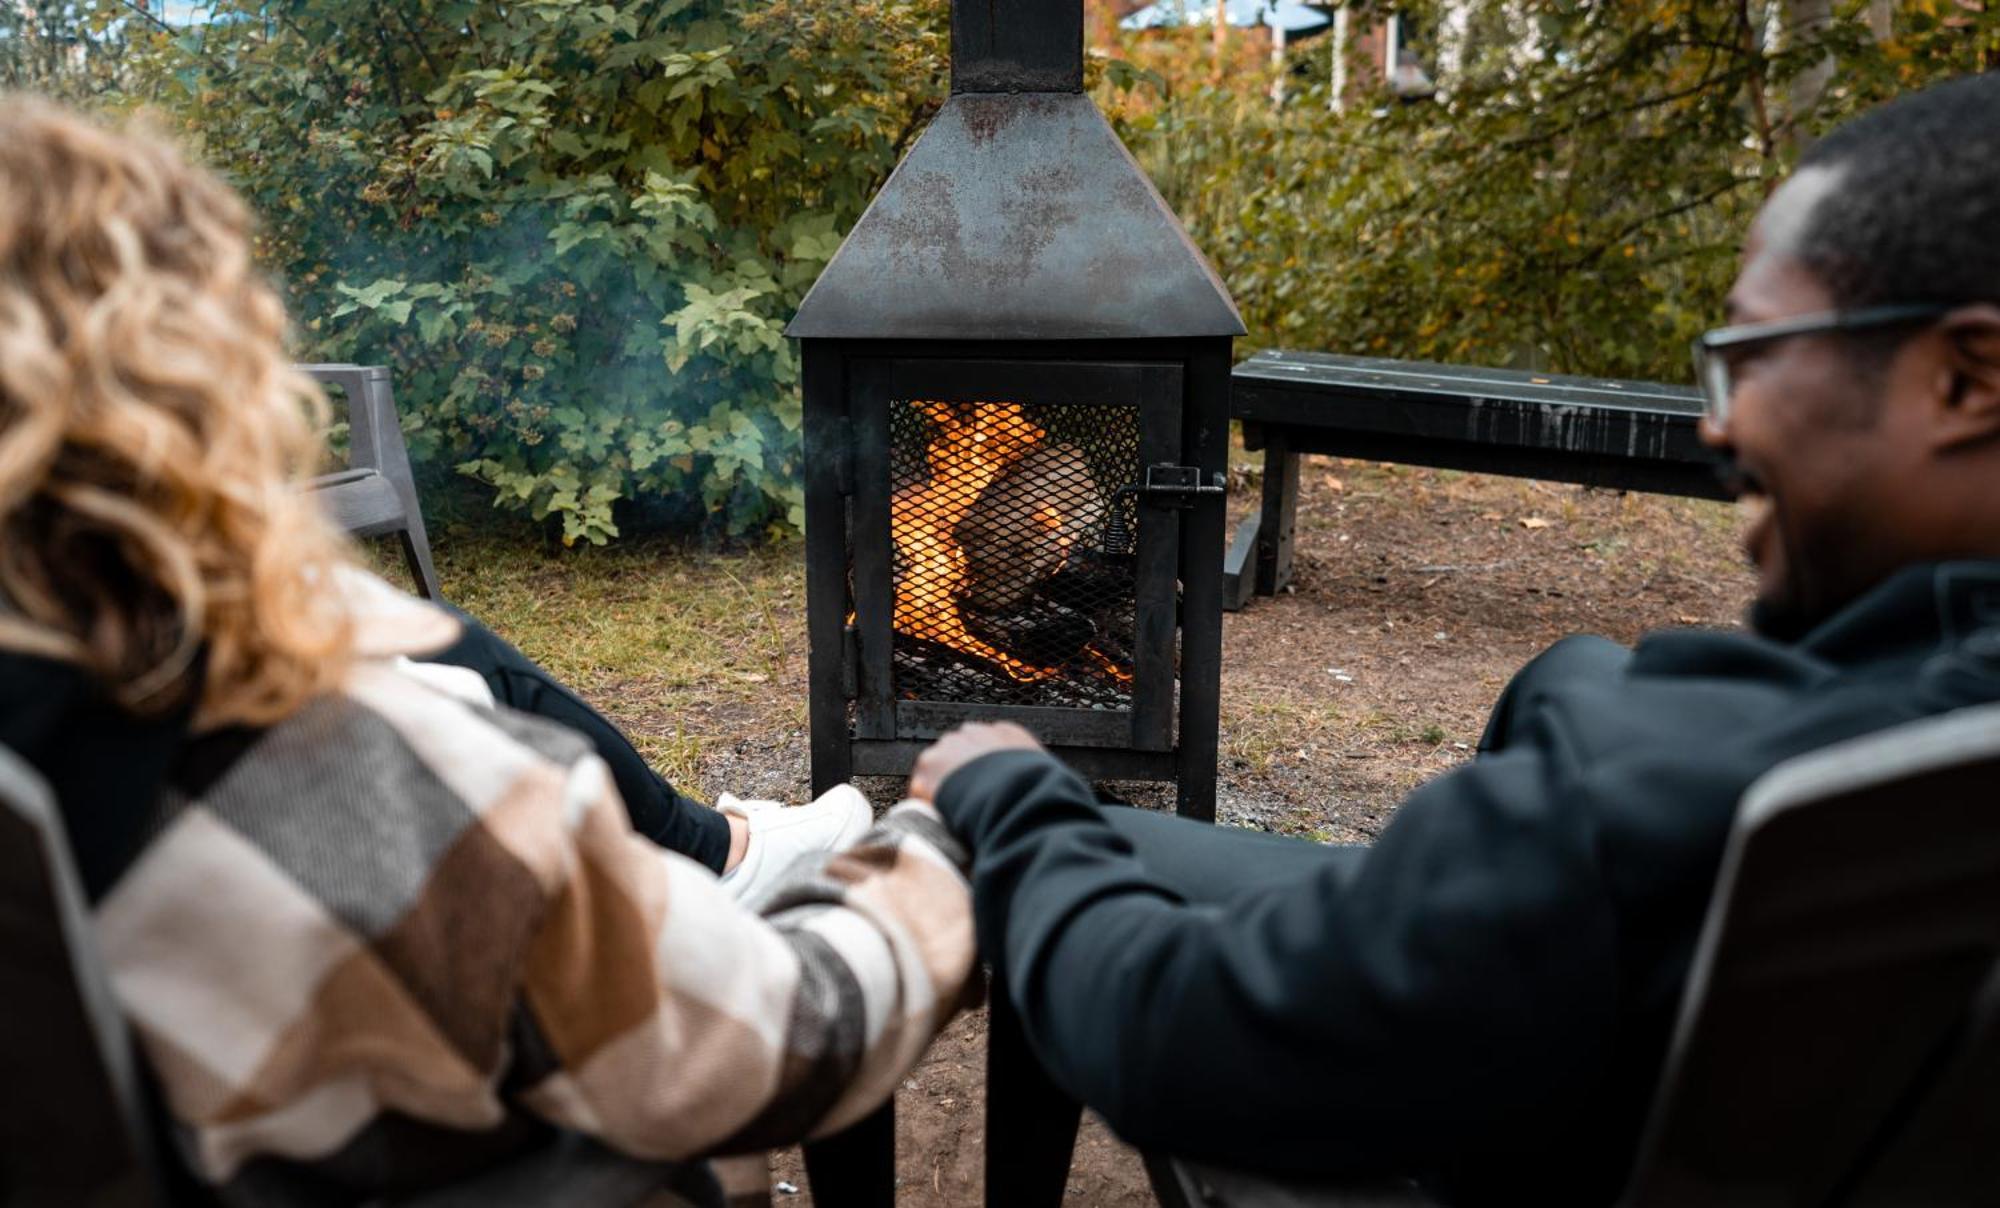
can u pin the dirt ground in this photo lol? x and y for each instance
(1417, 594)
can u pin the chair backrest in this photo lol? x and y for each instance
(363, 399)
(72, 1117)
(377, 495)
(1837, 1042)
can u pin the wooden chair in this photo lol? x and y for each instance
(74, 1125)
(376, 496)
(1839, 1037)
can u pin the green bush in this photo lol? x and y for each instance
(576, 230)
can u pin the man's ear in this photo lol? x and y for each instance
(1970, 409)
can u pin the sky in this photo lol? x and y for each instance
(183, 12)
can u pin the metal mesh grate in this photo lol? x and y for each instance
(1013, 560)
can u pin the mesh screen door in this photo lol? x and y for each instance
(1005, 564)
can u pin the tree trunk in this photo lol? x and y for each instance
(1805, 26)
(1221, 38)
(1881, 19)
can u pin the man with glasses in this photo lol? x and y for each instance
(1483, 997)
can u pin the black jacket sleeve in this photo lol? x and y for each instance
(1454, 995)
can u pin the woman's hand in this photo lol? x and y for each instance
(962, 746)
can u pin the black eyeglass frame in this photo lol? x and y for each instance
(1711, 368)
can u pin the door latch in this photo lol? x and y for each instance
(1175, 486)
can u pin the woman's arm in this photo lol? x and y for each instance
(682, 1023)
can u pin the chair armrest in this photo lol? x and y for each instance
(366, 505)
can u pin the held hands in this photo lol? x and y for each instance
(962, 746)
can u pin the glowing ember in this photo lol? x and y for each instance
(971, 446)
(1108, 665)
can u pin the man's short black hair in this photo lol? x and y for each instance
(1916, 214)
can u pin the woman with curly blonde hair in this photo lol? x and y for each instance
(371, 928)
(153, 434)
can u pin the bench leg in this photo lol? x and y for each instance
(856, 1168)
(1030, 1122)
(1275, 522)
(1239, 566)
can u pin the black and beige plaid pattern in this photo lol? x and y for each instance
(399, 915)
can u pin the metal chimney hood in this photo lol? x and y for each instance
(1018, 215)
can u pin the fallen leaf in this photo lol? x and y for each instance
(1333, 484)
(1491, 516)
(1533, 522)
(1687, 620)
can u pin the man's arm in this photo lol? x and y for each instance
(1461, 987)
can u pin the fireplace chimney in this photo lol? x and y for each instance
(1015, 378)
(1019, 46)
(1018, 215)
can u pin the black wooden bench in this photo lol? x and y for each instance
(1633, 436)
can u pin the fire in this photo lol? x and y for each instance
(1108, 665)
(971, 446)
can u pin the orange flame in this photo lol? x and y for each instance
(1108, 665)
(971, 446)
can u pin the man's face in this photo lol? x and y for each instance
(1814, 434)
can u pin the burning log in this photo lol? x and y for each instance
(1020, 531)
(998, 595)
(971, 447)
(1094, 583)
(932, 671)
(1040, 631)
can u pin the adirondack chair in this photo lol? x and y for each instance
(1839, 1037)
(75, 1125)
(376, 496)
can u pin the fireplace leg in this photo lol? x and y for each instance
(826, 576)
(1030, 1122)
(1203, 536)
(856, 1168)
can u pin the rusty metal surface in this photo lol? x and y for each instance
(1016, 46)
(1018, 217)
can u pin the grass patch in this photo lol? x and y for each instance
(682, 647)
(710, 625)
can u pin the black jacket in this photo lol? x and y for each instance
(105, 766)
(1487, 1002)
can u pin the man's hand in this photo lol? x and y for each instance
(962, 746)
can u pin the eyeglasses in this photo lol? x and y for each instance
(1713, 351)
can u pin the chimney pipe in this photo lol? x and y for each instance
(1016, 46)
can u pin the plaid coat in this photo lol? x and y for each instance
(380, 943)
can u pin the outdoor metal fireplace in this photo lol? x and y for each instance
(1016, 375)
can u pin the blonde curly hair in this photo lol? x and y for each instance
(153, 434)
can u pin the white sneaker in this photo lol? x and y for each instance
(780, 834)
